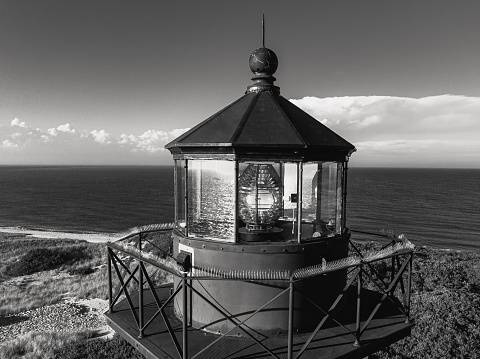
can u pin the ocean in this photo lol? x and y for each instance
(432, 207)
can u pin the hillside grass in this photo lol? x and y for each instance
(445, 303)
(77, 345)
(39, 272)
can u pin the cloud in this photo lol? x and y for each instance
(66, 128)
(8, 144)
(18, 123)
(437, 129)
(64, 144)
(150, 141)
(102, 136)
(385, 114)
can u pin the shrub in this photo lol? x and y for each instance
(445, 307)
(113, 348)
(42, 259)
(37, 260)
(81, 270)
(447, 325)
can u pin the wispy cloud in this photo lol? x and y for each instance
(64, 143)
(150, 141)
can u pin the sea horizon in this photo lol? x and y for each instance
(437, 211)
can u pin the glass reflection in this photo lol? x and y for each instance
(211, 208)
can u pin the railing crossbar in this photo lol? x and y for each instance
(237, 324)
(326, 312)
(124, 290)
(123, 265)
(385, 295)
(241, 323)
(402, 285)
(167, 322)
(392, 285)
(370, 266)
(150, 284)
(328, 315)
(122, 285)
(155, 296)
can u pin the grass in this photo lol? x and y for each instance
(36, 345)
(16, 299)
(21, 256)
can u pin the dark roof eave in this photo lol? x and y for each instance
(317, 153)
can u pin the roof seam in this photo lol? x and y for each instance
(306, 143)
(201, 124)
(243, 122)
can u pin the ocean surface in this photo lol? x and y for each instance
(433, 207)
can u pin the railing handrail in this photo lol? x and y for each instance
(148, 228)
(398, 248)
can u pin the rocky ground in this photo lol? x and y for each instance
(69, 315)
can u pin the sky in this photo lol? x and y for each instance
(111, 82)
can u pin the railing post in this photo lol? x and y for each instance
(140, 300)
(359, 300)
(291, 308)
(110, 284)
(185, 316)
(392, 273)
(409, 287)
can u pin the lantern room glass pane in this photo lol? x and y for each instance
(288, 222)
(329, 195)
(211, 199)
(290, 196)
(322, 197)
(310, 213)
(180, 218)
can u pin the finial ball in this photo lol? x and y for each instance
(263, 61)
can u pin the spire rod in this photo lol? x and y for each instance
(263, 29)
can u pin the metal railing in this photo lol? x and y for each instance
(361, 271)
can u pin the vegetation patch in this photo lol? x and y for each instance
(70, 272)
(41, 345)
(113, 348)
(445, 307)
(43, 259)
(81, 270)
(37, 260)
